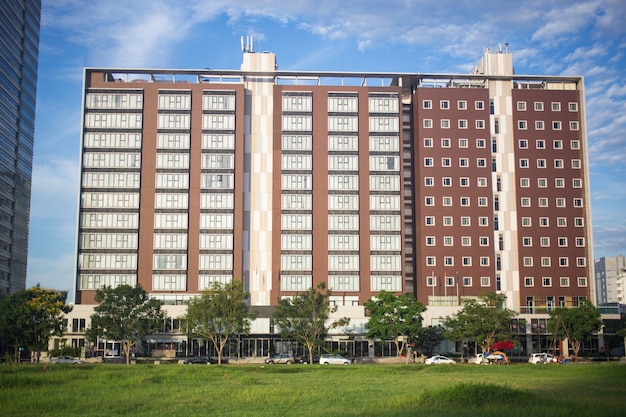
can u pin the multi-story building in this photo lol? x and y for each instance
(19, 51)
(444, 186)
(610, 280)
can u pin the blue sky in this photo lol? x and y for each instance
(546, 37)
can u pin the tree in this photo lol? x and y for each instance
(483, 321)
(428, 339)
(303, 317)
(219, 313)
(396, 317)
(577, 325)
(30, 317)
(125, 314)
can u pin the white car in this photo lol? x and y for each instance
(66, 359)
(334, 360)
(536, 358)
(438, 360)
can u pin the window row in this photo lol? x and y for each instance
(562, 281)
(543, 163)
(461, 124)
(554, 106)
(110, 220)
(448, 181)
(463, 201)
(560, 221)
(561, 241)
(451, 281)
(483, 261)
(109, 200)
(460, 104)
(558, 182)
(96, 281)
(540, 125)
(110, 180)
(541, 144)
(108, 240)
(112, 140)
(113, 101)
(463, 220)
(543, 202)
(107, 261)
(546, 261)
(446, 162)
(449, 241)
(462, 143)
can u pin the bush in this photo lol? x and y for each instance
(65, 351)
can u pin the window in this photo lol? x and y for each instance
(545, 261)
(446, 162)
(480, 124)
(544, 222)
(445, 123)
(577, 183)
(466, 241)
(539, 125)
(429, 201)
(444, 104)
(562, 242)
(540, 144)
(579, 222)
(578, 202)
(481, 143)
(527, 241)
(573, 106)
(523, 144)
(542, 182)
(467, 281)
(431, 261)
(446, 182)
(558, 144)
(580, 242)
(546, 281)
(573, 125)
(461, 105)
(448, 261)
(528, 261)
(524, 182)
(465, 201)
(525, 202)
(429, 181)
(564, 281)
(483, 221)
(485, 281)
(582, 281)
(574, 144)
(541, 163)
(479, 105)
(446, 201)
(526, 222)
(447, 221)
(428, 142)
(484, 241)
(482, 201)
(575, 163)
(448, 241)
(463, 162)
(463, 143)
(428, 162)
(466, 221)
(523, 163)
(560, 202)
(464, 181)
(429, 220)
(466, 261)
(521, 106)
(482, 181)
(581, 261)
(545, 242)
(522, 125)
(563, 261)
(445, 143)
(529, 281)
(558, 163)
(481, 162)
(428, 123)
(559, 183)
(538, 106)
(556, 106)
(427, 104)
(543, 202)
(462, 124)
(556, 125)
(484, 261)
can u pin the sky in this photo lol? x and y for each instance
(545, 37)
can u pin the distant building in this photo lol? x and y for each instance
(443, 186)
(610, 279)
(19, 34)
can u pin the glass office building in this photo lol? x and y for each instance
(19, 50)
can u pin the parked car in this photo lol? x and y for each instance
(305, 359)
(66, 359)
(281, 358)
(205, 360)
(334, 360)
(439, 360)
(536, 358)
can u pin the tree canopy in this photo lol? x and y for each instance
(28, 318)
(219, 313)
(125, 314)
(396, 317)
(484, 321)
(428, 339)
(577, 324)
(304, 317)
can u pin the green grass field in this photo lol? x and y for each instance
(593, 390)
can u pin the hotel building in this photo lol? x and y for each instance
(443, 186)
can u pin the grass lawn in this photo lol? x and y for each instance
(593, 390)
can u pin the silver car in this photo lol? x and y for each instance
(334, 360)
(66, 359)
